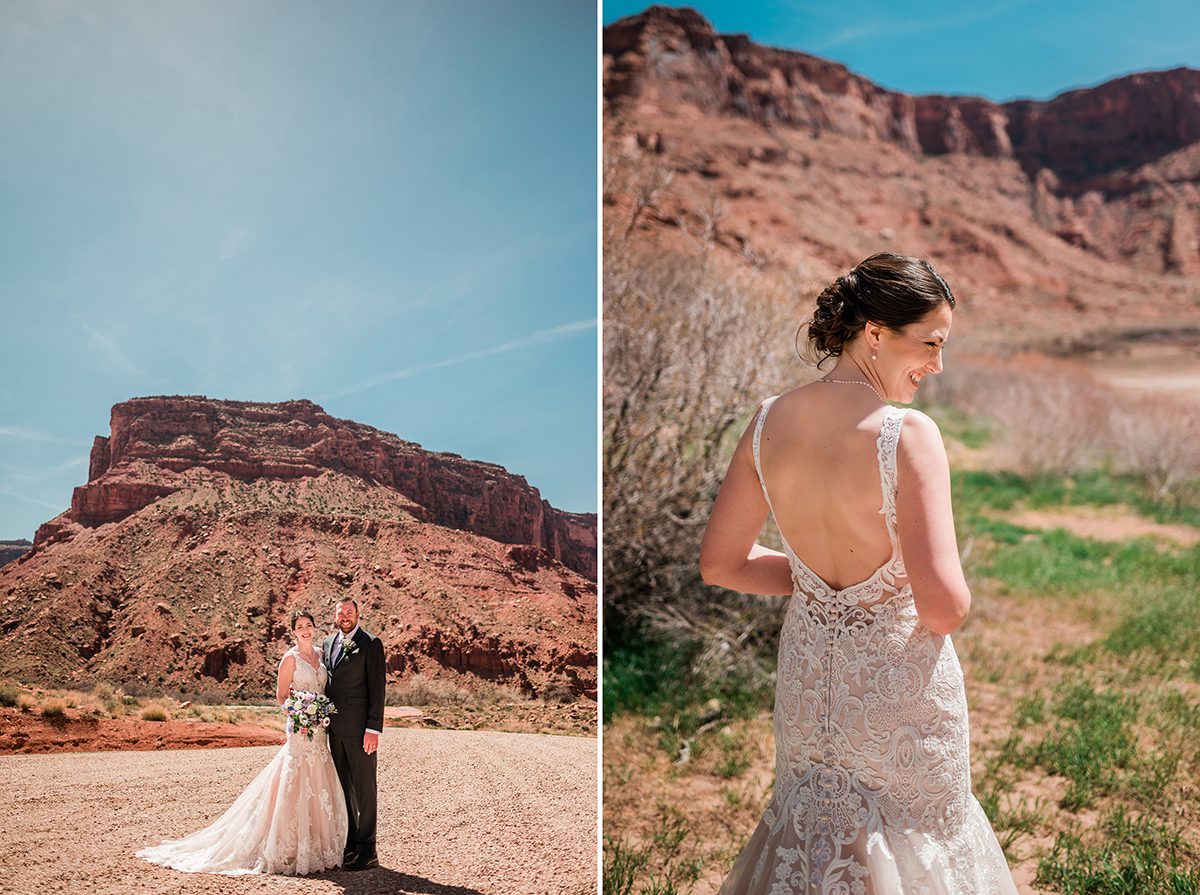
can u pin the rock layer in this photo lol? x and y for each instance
(204, 524)
(1111, 171)
(297, 439)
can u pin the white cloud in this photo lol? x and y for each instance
(22, 433)
(541, 337)
(109, 349)
(236, 243)
(41, 503)
(880, 25)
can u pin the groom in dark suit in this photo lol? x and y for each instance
(357, 672)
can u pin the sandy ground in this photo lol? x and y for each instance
(461, 813)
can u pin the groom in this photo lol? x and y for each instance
(357, 672)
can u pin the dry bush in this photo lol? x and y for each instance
(155, 712)
(421, 690)
(10, 693)
(1158, 438)
(26, 702)
(1050, 416)
(1054, 416)
(54, 708)
(557, 691)
(690, 348)
(500, 694)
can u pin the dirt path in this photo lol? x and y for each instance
(461, 813)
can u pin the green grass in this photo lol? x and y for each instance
(673, 873)
(622, 863)
(648, 676)
(1161, 629)
(956, 425)
(1138, 856)
(1059, 563)
(735, 756)
(1091, 741)
(975, 489)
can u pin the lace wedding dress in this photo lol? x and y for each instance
(873, 780)
(291, 819)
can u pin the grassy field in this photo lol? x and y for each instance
(1082, 657)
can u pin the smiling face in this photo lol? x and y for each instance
(304, 630)
(347, 616)
(908, 355)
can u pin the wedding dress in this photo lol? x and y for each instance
(872, 780)
(291, 819)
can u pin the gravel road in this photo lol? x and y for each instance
(461, 813)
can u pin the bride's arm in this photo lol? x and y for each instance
(729, 554)
(925, 525)
(284, 682)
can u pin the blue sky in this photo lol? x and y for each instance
(388, 208)
(1001, 49)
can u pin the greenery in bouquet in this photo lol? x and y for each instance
(307, 712)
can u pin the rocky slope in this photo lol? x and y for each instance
(1080, 212)
(205, 523)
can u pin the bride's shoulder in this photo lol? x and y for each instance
(920, 446)
(288, 655)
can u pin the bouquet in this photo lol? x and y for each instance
(307, 712)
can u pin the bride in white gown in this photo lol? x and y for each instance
(873, 777)
(291, 819)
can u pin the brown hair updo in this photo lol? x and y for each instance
(302, 613)
(888, 289)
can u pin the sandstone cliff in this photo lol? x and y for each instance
(1081, 209)
(205, 523)
(152, 440)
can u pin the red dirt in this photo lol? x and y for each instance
(25, 733)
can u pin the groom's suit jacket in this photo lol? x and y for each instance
(356, 685)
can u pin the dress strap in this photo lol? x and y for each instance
(889, 440)
(758, 426)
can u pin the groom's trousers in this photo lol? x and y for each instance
(356, 770)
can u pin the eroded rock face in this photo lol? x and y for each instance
(205, 524)
(1112, 170)
(674, 55)
(154, 438)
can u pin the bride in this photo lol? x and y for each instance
(291, 819)
(872, 781)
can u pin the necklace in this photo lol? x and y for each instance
(853, 382)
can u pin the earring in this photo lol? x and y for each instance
(874, 356)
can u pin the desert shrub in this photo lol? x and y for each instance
(689, 350)
(9, 693)
(557, 691)
(154, 713)
(26, 703)
(1048, 416)
(1158, 439)
(54, 708)
(421, 690)
(1053, 417)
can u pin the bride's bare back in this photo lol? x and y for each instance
(818, 456)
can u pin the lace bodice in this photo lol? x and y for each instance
(312, 679)
(870, 732)
(306, 676)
